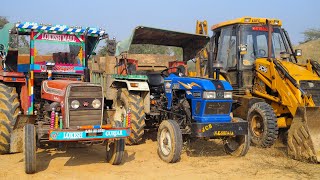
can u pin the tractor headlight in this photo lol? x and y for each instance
(96, 103)
(227, 95)
(75, 104)
(209, 95)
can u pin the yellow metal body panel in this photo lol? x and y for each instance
(202, 27)
(288, 95)
(248, 20)
(282, 123)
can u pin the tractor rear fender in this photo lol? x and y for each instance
(131, 85)
(140, 86)
(243, 104)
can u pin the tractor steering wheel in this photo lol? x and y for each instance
(163, 74)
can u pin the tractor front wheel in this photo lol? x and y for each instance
(237, 146)
(30, 148)
(169, 141)
(115, 149)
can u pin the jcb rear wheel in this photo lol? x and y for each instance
(262, 125)
(169, 141)
(9, 110)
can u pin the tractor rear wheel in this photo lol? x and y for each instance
(115, 149)
(134, 101)
(169, 139)
(9, 110)
(30, 148)
(263, 126)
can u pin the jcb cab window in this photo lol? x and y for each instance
(256, 39)
(227, 48)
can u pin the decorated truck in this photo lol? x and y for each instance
(45, 96)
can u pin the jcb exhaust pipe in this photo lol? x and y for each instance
(269, 39)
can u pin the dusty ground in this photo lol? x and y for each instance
(201, 160)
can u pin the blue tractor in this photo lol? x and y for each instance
(198, 108)
(184, 107)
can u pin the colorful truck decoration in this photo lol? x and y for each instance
(49, 96)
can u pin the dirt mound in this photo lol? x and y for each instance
(200, 160)
(310, 50)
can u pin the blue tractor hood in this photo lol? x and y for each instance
(205, 84)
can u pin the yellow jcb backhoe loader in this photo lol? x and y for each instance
(273, 91)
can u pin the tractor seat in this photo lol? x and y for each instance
(155, 79)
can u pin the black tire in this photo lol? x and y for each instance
(115, 149)
(134, 101)
(30, 148)
(169, 140)
(9, 111)
(237, 146)
(263, 126)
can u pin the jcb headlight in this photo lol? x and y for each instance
(227, 95)
(96, 103)
(209, 95)
(75, 104)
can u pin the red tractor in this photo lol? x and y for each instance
(46, 96)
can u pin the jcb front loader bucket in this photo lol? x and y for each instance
(304, 135)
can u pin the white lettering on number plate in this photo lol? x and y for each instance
(114, 133)
(72, 135)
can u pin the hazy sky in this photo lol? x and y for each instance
(119, 18)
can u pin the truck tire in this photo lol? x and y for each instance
(263, 126)
(9, 110)
(30, 148)
(115, 149)
(169, 140)
(134, 101)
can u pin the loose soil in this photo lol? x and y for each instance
(200, 160)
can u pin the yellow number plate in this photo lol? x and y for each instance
(223, 133)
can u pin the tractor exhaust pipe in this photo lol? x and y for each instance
(210, 60)
(213, 65)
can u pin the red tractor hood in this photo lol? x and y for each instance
(54, 90)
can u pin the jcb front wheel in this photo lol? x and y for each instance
(169, 141)
(263, 126)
